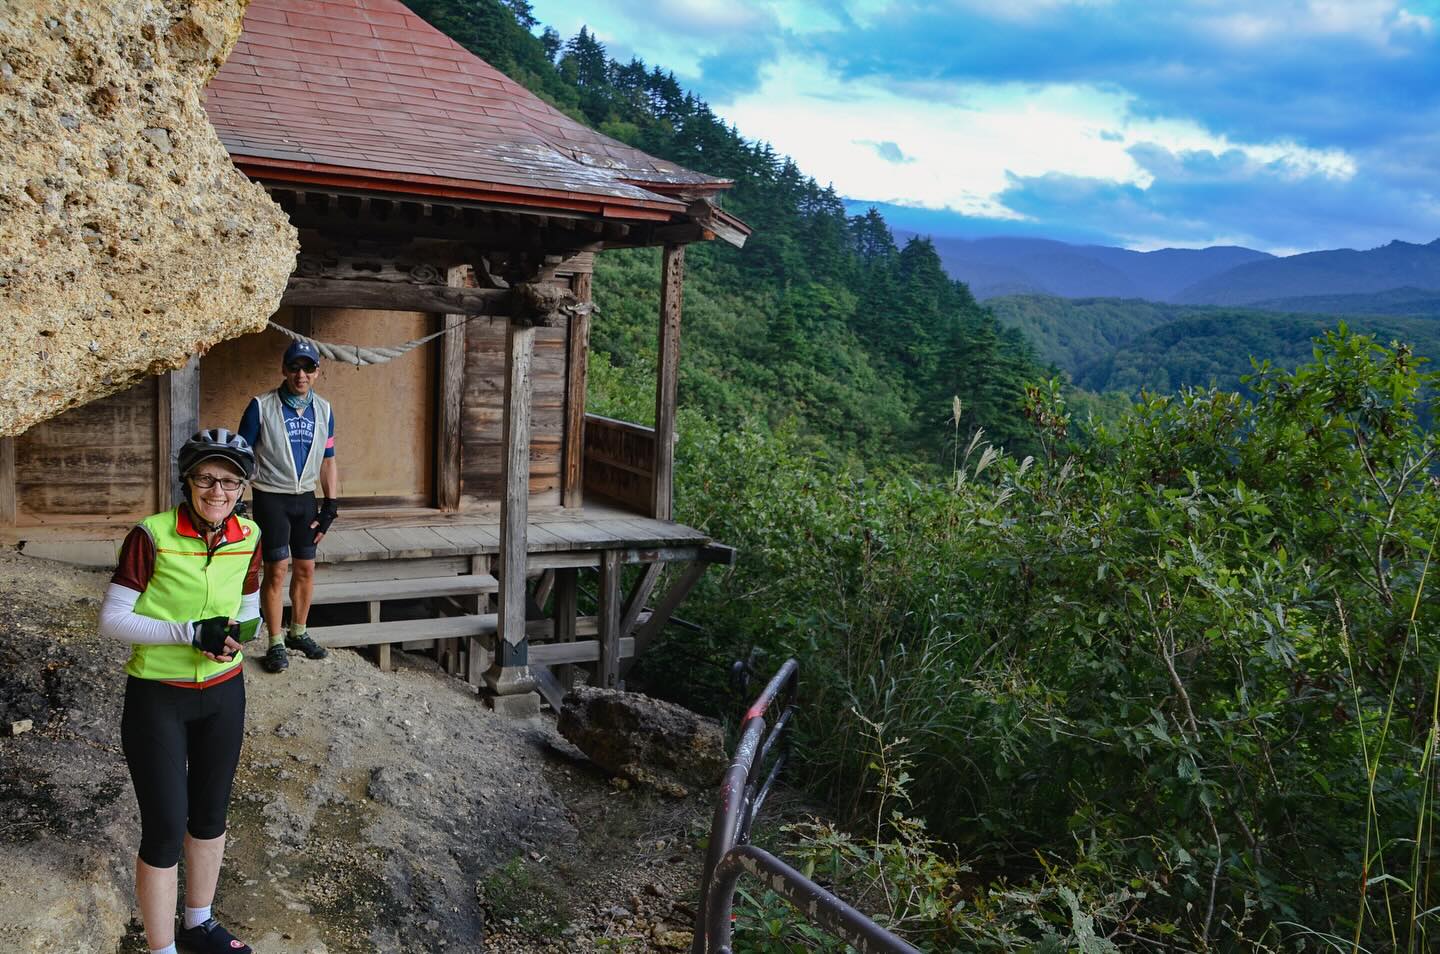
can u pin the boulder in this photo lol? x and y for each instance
(128, 240)
(656, 743)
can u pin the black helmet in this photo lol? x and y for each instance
(217, 442)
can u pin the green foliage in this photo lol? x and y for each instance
(1183, 675)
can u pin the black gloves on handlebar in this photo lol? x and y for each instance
(329, 510)
(209, 634)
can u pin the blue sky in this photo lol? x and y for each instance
(1283, 125)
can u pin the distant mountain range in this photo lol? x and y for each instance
(1400, 278)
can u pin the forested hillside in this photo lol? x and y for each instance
(1126, 345)
(1172, 687)
(820, 318)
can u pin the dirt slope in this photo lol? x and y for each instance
(373, 812)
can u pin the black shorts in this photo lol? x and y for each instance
(182, 746)
(285, 529)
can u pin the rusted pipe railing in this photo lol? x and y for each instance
(814, 903)
(746, 784)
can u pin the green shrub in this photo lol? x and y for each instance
(1185, 674)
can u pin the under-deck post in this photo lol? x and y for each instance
(609, 609)
(565, 612)
(509, 679)
(672, 286)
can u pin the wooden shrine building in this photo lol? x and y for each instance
(431, 192)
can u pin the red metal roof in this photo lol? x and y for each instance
(365, 93)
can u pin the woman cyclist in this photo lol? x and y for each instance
(185, 594)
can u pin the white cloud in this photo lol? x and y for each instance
(1380, 23)
(964, 147)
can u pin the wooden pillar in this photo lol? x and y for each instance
(509, 677)
(452, 387)
(672, 286)
(577, 357)
(608, 672)
(8, 504)
(177, 418)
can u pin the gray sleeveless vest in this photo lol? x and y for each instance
(275, 464)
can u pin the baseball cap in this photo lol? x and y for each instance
(301, 351)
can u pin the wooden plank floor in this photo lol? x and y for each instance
(412, 533)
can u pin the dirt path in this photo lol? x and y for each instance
(373, 812)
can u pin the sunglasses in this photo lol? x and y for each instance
(309, 367)
(206, 481)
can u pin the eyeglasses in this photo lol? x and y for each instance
(307, 366)
(206, 481)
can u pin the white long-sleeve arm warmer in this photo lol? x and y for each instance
(119, 621)
(249, 607)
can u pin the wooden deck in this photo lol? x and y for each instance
(585, 532)
(557, 537)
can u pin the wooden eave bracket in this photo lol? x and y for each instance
(719, 223)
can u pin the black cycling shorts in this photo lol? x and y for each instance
(182, 746)
(285, 529)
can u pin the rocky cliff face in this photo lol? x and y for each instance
(128, 241)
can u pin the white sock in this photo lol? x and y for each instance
(167, 949)
(196, 916)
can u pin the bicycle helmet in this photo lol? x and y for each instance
(217, 442)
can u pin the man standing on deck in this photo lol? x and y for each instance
(292, 430)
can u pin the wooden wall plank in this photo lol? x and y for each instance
(483, 443)
(95, 461)
(672, 288)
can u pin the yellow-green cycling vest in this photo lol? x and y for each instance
(191, 582)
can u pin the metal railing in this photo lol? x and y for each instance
(730, 855)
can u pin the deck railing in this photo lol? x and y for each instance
(620, 461)
(764, 739)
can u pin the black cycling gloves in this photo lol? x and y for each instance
(329, 510)
(209, 634)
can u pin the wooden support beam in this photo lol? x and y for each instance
(452, 388)
(577, 359)
(395, 296)
(608, 674)
(566, 609)
(8, 500)
(674, 596)
(514, 505)
(549, 686)
(672, 287)
(638, 596)
(543, 586)
(177, 418)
